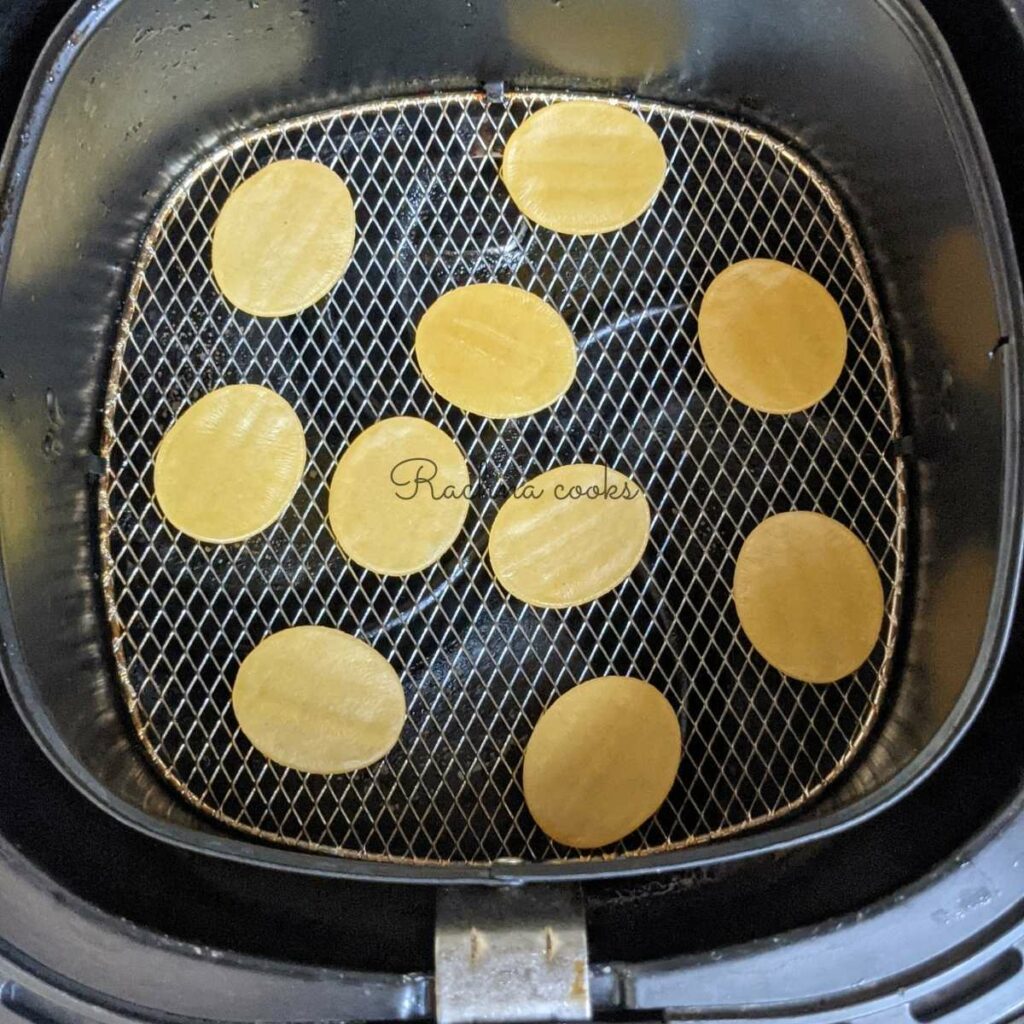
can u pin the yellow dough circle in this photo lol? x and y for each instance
(399, 496)
(772, 336)
(569, 535)
(601, 761)
(583, 167)
(495, 350)
(809, 596)
(318, 700)
(230, 464)
(283, 238)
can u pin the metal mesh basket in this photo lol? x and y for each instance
(478, 666)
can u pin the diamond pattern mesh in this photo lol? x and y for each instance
(479, 667)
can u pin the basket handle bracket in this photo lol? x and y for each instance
(511, 954)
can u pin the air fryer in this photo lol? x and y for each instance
(846, 140)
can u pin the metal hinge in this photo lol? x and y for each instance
(511, 955)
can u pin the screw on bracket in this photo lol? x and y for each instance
(511, 954)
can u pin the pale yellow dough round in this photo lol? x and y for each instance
(283, 238)
(772, 336)
(495, 350)
(318, 700)
(399, 496)
(601, 761)
(808, 596)
(583, 167)
(230, 464)
(581, 535)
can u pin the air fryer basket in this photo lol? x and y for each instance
(858, 92)
(478, 665)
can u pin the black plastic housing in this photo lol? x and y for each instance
(141, 89)
(99, 921)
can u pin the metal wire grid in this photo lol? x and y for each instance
(479, 667)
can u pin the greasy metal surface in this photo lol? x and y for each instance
(511, 954)
(479, 667)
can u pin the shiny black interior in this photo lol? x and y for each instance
(917, 214)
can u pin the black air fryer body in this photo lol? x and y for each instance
(914, 913)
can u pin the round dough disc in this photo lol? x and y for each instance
(583, 167)
(581, 536)
(399, 496)
(318, 700)
(230, 464)
(495, 350)
(283, 238)
(601, 761)
(772, 336)
(808, 596)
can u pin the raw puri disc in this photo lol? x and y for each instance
(495, 350)
(569, 535)
(399, 496)
(808, 596)
(601, 761)
(283, 238)
(583, 167)
(230, 464)
(772, 336)
(318, 700)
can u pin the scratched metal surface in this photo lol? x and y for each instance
(479, 667)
